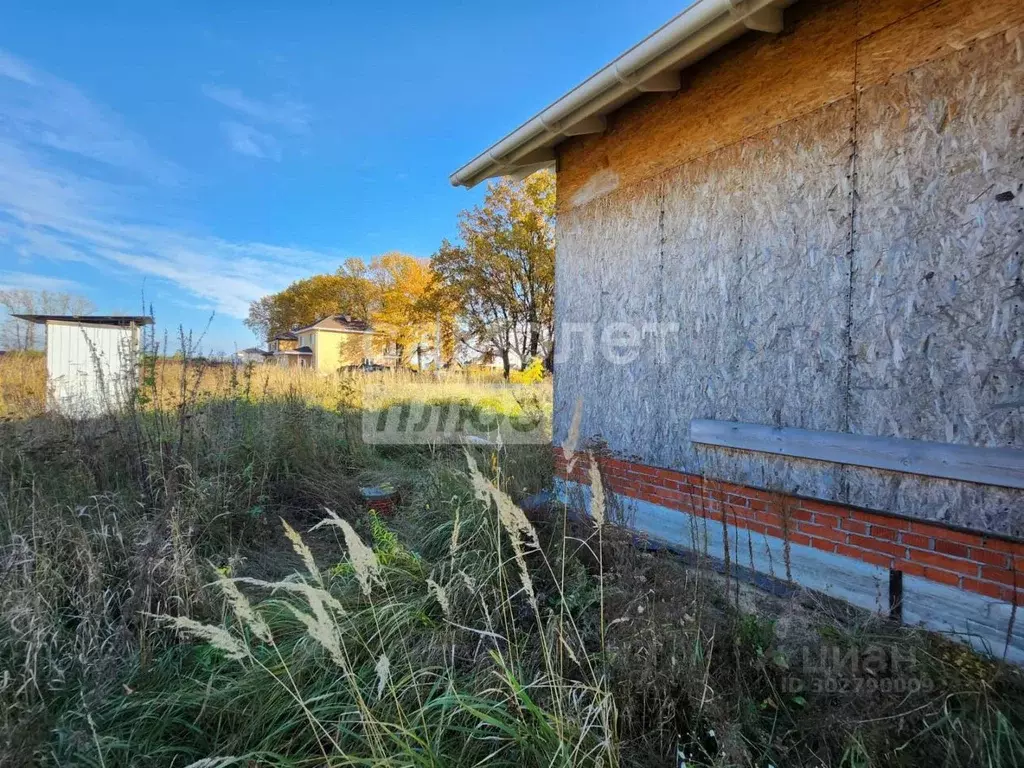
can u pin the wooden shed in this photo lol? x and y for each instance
(91, 360)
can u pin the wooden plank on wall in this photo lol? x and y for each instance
(991, 466)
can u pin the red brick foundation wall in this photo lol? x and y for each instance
(992, 566)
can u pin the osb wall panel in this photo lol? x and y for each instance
(758, 261)
(938, 288)
(968, 505)
(938, 291)
(938, 30)
(755, 284)
(607, 272)
(760, 81)
(703, 264)
(749, 86)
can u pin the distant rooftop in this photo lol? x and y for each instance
(119, 320)
(340, 323)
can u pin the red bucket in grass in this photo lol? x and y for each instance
(381, 499)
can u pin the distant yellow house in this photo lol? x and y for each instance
(334, 343)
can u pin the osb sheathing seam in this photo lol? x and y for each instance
(874, 15)
(938, 30)
(760, 81)
(747, 87)
(932, 291)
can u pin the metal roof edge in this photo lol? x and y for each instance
(699, 30)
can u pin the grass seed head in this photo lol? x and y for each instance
(218, 637)
(513, 520)
(596, 491)
(315, 596)
(244, 611)
(383, 668)
(441, 596)
(479, 482)
(364, 560)
(303, 551)
(324, 632)
(454, 546)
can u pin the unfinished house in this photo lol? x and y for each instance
(789, 296)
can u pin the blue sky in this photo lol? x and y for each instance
(205, 154)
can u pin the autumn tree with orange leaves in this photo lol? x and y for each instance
(492, 292)
(502, 275)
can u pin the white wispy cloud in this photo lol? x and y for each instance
(242, 134)
(27, 280)
(291, 115)
(72, 177)
(48, 113)
(246, 140)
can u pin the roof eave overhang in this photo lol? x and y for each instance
(336, 330)
(652, 65)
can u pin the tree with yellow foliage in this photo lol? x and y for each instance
(401, 312)
(502, 275)
(348, 291)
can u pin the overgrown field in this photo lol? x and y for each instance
(197, 582)
(172, 382)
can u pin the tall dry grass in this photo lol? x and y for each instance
(443, 656)
(175, 592)
(108, 523)
(22, 385)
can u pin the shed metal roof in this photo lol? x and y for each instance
(119, 320)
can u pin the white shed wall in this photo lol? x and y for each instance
(89, 367)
